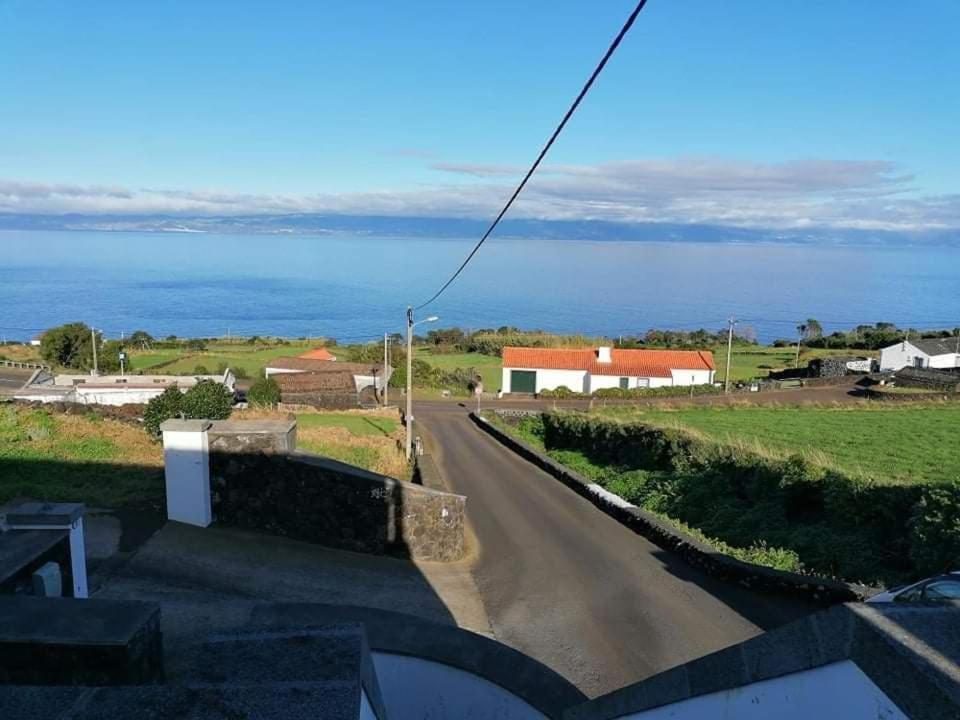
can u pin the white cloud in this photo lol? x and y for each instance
(869, 194)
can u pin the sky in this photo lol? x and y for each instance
(743, 112)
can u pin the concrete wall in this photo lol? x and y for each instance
(945, 361)
(413, 687)
(257, 481)
(838, 690)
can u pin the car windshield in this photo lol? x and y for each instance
(948, 589)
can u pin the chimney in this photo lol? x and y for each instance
(603, 354)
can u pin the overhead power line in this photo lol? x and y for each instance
(536, 163)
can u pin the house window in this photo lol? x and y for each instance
(624, 383)
(918, 362)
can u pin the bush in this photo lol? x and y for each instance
(559, 392)
(264, 393)
(208, 400)
(670, 391)
(201, 370)
(782, 510)
(166, 406)
(935, 526)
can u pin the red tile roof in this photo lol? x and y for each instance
(318, 354)
(625, 363)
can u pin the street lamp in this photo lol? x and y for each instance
(409, 414)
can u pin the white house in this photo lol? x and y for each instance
(532, 370)
(936, 353)
(112, 389)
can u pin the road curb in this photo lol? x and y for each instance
(695, 553)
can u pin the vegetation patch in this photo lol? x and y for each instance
(906, 443)
(77, 458)
(785, 512)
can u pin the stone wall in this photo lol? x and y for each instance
(262, 484)
(670, 538)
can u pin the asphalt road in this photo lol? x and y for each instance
(12, 379)
(568, 585)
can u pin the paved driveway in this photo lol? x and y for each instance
(565, 583)
(12, 379)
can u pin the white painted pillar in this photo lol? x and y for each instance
(186, 459)
(58, 516)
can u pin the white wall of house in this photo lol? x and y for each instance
(901, 355)
(116, 396)
(692, 377)
(277, 371)
(838, 690)
(600, 382)
(576, 380)
(945, 362)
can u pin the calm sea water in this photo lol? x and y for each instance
(355, 288)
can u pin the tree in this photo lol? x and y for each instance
(265, 392)
(71, 346)
(812, 329)
(67, 345)
(801, 331)
(141, 339)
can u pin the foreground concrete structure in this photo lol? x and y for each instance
(249, 474)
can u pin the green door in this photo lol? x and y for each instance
(624, 383)
(523, 381)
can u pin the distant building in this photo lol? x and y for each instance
(935, 353)
(323, 383)
(112, 389)
(318, 354)
(532, 370)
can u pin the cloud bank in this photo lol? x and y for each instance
(842, 194)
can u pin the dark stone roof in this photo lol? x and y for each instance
(910, 651)
(935, 346)
(316, 382)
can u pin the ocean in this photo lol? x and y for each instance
(355, 288)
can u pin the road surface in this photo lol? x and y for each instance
(12, 379)
(570, 586)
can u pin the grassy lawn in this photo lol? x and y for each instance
(901, 443)
(77, 458)
(748, 362)
(488, 366)
(355, 423)
(245, 358)
(370, 440)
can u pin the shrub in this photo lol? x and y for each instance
(264, 392)
(240, 373)
(935, 529)
(208, 400)
(167, 405)
(200, 370)
(559, 392)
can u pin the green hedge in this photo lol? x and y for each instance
(838, 526)
(634, 393)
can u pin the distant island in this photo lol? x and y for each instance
(459, 228)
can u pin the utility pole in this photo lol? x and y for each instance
(386, 366)
(726, 380)
(409, 413)
(93, 337)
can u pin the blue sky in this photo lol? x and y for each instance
(745, 112)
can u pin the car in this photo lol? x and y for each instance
(940, 588)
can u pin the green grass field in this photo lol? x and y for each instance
(748, 362)
(246, 358)
(487, 365)
(77, 458)
(357, 424)
(901, 443)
